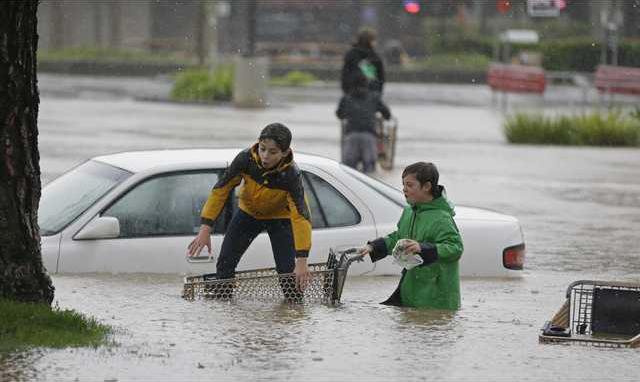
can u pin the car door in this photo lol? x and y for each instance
(157, 217)
(339, 219)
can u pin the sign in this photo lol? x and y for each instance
(543, 8)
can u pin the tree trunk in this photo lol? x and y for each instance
(22, 275)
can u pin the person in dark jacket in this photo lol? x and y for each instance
(362, 59)
(427, 232)
(271, 199)
(357, 111)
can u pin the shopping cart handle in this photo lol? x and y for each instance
(357, 258)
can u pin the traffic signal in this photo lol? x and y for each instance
(503, 6)
(411, 6)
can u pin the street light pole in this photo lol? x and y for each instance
(251, 29)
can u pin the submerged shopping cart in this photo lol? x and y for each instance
(386, 133)
(599, 313)
(325, 285)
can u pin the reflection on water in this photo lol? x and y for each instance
(160, 336)
(579, 209)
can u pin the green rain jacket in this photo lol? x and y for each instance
(436, 283)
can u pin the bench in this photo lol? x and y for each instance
(516, 78)
(617, 80)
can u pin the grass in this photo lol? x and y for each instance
(454, 61)
(202, 85)
(294, 78)
(25, 325)
(613, 128)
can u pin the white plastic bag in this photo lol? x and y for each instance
(403, 258)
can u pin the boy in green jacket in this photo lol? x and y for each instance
(431, 234)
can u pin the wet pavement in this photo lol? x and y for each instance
(579, 208)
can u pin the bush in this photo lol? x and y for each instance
(448, 36)
(583, 54)
(203, 85)
(294, 78)
(577, 54)
(595, 129)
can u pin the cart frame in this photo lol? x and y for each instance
(574, 321)
(325, 286)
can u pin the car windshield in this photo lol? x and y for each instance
(382, 188)
(71, 194)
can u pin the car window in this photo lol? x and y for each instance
(317, 216)
(392, 194)
(334, 207)
(165, 205)
(70, 195)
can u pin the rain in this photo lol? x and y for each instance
(107, 77)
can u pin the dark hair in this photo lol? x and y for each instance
(365, 39)
(425, 172)
(279, 133)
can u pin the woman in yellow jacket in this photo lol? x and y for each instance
(271, 199)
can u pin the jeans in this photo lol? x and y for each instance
(241, 231)
(360, 147)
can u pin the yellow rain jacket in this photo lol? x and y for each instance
(266, 194)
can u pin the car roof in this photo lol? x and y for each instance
(138, 161)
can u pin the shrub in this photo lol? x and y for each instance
(611, 129)
(294, 78)
(579, 54)
(583, 54)
(203, 85)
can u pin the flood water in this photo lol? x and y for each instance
(579, 209)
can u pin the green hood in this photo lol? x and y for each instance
(441, 203)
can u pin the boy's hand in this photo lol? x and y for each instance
(302, 273)
(365, 250)
(203, 239)
(412, 246)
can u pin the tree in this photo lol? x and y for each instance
(22, 275)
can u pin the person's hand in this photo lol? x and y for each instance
(364, 250)
(203, 239)
(301, 271)
(412, 246)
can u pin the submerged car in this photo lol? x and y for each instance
(138, 211)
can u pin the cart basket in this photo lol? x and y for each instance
(325, 285)
(599, 313)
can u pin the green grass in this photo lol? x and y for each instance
(109, 55)
(454, 61)
(25, 325)
(294, 78)
(202, 85)
(613, 128)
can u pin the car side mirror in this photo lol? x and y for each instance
(102, 227)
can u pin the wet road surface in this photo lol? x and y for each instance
(579, 208)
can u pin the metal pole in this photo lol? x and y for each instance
(251, 29)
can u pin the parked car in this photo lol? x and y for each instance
(137, 212)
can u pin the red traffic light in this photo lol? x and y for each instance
(503, 6)
(412, 7)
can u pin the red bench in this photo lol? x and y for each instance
(516, 78)
(617, 79)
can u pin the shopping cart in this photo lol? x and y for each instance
(386, 132)
(599, 313)
(325, 285)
